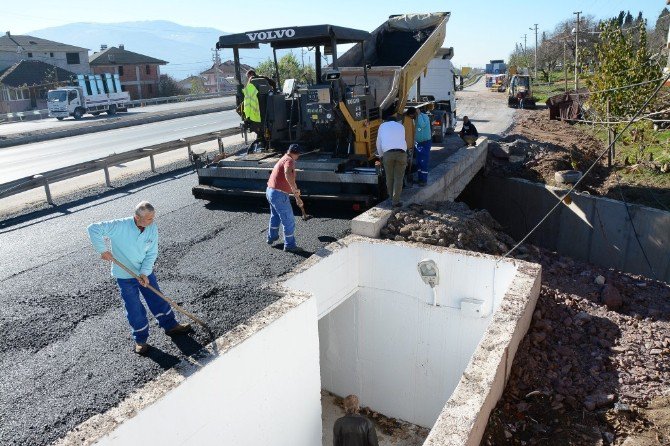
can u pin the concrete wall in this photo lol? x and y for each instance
(399, 354)
(381, 337)
(265, 390)
(593, 229)
(59, 59)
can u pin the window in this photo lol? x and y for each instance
(148, 69)
(72, 58)
(123, 88)
(30, 54)
(120, 70)
(51, 54)
(150, 88)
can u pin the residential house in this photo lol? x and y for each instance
(139, 74)
(14, 49)
(226, 76)
(24, 85)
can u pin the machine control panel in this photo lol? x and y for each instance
(320, 113)
(319, 95)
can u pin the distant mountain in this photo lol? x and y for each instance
(187, 48)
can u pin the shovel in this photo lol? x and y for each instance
(301, 205)
(172, 303)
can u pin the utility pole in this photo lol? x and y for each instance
(217, 61)
(565, 63)
(535, 51)
(577, 51)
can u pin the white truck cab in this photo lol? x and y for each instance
(437, 83)
(95, 94)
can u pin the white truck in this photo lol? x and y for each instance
(437, 83)
(94, 94)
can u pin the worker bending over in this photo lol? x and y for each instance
(353, 429)
(468, 132)
(392, 150)
(280, 186)
(134, 243)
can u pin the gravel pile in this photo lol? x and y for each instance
(450, 224)
(594, 368)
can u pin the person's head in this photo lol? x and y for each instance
(466, 119)
(294, 151)
(144, 214)
(351, 405)
(411, 112)
(251, 74)
(389, 115)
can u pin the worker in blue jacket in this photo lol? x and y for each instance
(134, 243)
(424, 143)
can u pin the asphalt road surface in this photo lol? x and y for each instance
(49, 123)
(65, 347)
(29, 159)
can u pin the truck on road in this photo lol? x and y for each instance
(94, 94)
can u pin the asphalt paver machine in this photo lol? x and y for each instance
(335, 117)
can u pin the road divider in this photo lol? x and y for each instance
(117, 122)
(45, 178)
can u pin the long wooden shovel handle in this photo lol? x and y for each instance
(172, 303)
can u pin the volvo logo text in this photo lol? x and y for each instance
(272, 34)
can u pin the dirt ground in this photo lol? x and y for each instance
(536, 147)
(594, 368)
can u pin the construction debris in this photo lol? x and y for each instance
(450, 224)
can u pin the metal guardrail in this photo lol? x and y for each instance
(45, 178)
(40, 114)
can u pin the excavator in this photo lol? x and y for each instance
(335, 117)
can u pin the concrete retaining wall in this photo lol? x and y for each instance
(445, 182)
(593, 229)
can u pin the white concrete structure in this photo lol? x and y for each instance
(355, 318)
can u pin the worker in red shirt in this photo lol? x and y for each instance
(280, 186)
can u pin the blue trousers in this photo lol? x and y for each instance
(281, 213)
(422, 158)
(137, 314)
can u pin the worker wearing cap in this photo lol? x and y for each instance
(392, 150)
(468, 132)
(134, 242)
(424, 143)
(280, 187)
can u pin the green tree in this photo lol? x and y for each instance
(289, 68)
(168, 86)
(624, 60)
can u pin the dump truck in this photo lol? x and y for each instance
(94, 94)
(334, 119)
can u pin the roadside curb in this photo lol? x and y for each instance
(87, 128)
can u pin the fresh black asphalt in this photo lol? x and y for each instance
(65, 348)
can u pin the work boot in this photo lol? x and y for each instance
(272, 240)
(179, 329)
(141, 348)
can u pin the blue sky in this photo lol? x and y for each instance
(478, 31)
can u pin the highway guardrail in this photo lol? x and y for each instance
(45, 178)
